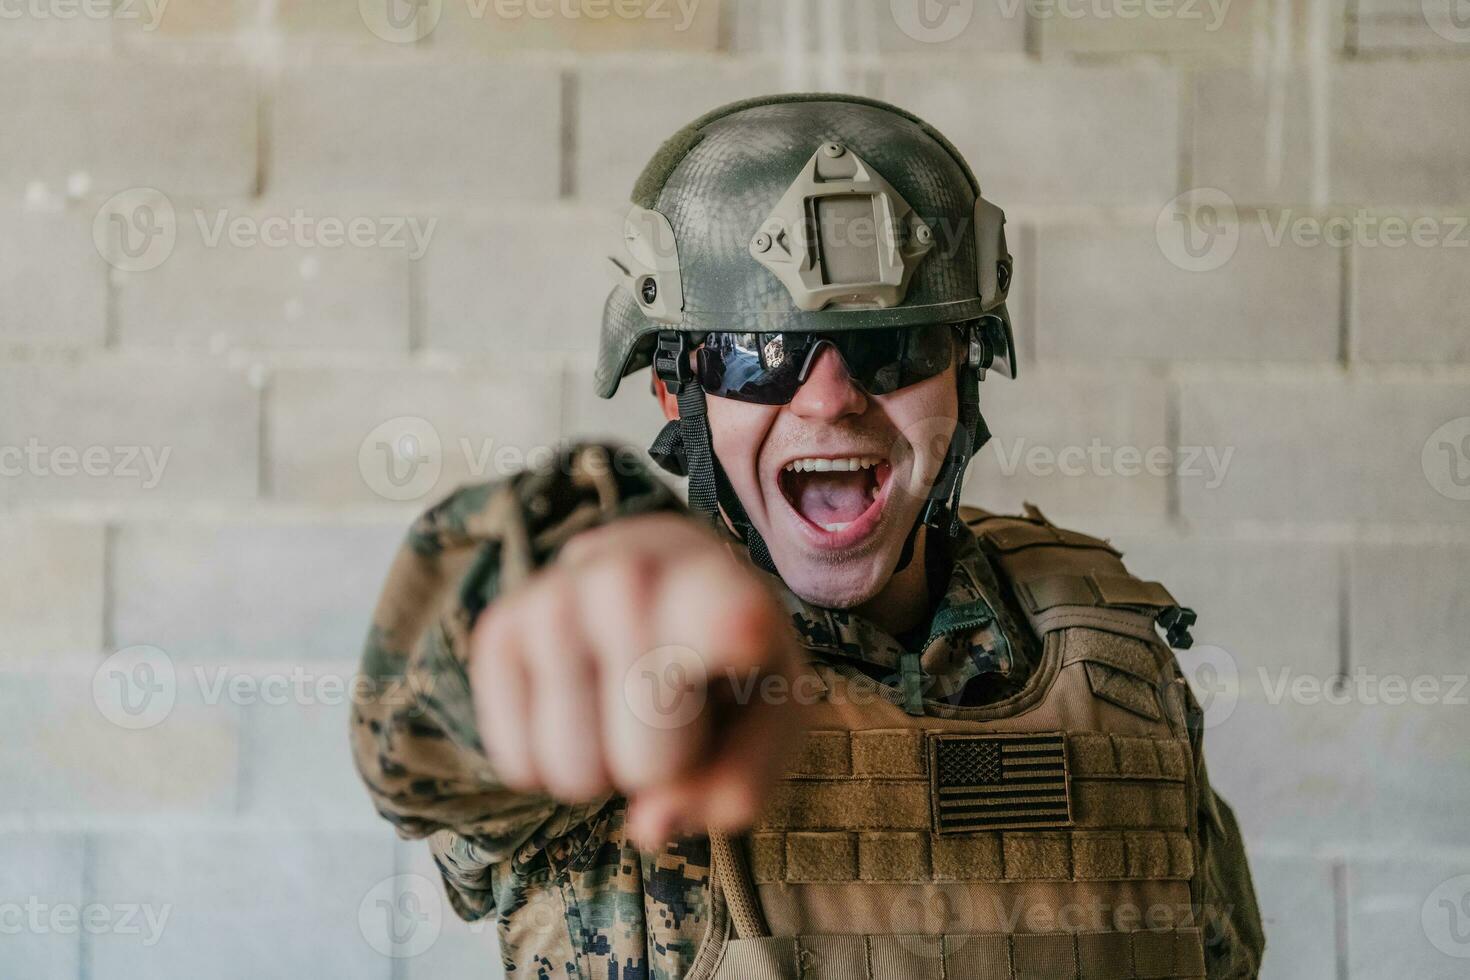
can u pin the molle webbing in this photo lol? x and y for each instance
(1016, 856)
(1173, 953)
(857, 806)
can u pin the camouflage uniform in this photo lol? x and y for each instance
(571, 895)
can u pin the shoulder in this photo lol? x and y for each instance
(570, 486)
(1056, 573)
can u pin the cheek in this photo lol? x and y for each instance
(926, 414)
(737, 432)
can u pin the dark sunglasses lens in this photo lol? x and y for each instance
(765, 368)
(749, 367)
(883, 361)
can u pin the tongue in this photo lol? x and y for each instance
(832, 498)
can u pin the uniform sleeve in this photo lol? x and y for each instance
(1233, 935)
(413, 730)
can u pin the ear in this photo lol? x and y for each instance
(666, 401)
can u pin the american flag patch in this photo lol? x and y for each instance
(999, 782)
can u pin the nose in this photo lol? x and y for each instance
(829, 392)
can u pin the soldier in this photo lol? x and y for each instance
(1001, 773)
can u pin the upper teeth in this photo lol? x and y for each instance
(813, 464)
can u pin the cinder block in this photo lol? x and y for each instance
(336, 21)
(283, 276)
(1407, 26)
(417, 132)
(631, 417)
(1294, 772)
(84, 26)
(1321, 450)
(406, 436)
(1415, 753)
(463, 949)
(50, 588)
(1298, 911)
(118, 124)
(1066, 440)
(1222, 29)
(62, 753)
(1112, 292)
(519, 283)
(1412, 302)
(114, 427)
(1270, 605)
(1389, 141)
(1407, 916)
(244, 904)
(296, 762)
(233, 593)
(1252, 135)
(1409, 614)
(614, 140)
(41, 889)
(960, 30)
(1120, 144)
(198, 20)
(38, 251)
(578, 25)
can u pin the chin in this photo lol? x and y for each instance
(819, 581)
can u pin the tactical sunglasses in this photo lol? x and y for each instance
(768, 368)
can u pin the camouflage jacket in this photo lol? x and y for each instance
(571, 895)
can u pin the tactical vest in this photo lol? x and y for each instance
(1051, 835)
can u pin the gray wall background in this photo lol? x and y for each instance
(1260, 390)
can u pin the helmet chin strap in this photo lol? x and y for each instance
(683, 448)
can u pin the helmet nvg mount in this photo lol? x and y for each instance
(804, 213)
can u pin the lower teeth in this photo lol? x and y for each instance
(835, 527)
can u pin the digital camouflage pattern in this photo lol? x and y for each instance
(571, 895)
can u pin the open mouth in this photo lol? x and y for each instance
(838, 495)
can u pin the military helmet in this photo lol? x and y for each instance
(810, 213)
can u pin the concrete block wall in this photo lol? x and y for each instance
(276, 275)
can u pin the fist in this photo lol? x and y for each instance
(637, 663)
